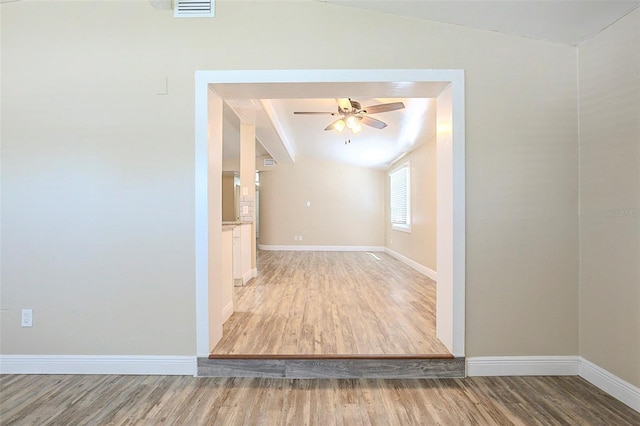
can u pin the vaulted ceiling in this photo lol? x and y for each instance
(559, 21)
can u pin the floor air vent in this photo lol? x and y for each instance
(194, 8)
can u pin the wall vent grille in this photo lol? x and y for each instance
(194, 9)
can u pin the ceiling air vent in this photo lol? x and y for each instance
(268, 162)
(194, 9)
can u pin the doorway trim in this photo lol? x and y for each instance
(208, 180)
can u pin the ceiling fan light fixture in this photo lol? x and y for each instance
(354, 116)
(351, 121)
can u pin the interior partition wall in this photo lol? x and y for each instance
(450, 130)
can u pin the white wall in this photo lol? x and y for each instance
(445, 321)
(98, 169)
(216, 285)
(609, 79)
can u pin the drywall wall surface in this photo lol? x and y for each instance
(98, 165)
(420, 244)
(228, 198)
(325, 202)
(609, 78)
(97, 183)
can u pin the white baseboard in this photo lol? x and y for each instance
(415, 265)
(227, 311)
(247, 276)
(556, 366)
(621, 390)
(98, 364)
(254, 272)
(319, 248)
(523, 366)
(187, 365)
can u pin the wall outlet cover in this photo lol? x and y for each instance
(27, 318)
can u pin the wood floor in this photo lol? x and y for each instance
(319, 303)
(183, 400)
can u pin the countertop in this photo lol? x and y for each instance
(227, 226)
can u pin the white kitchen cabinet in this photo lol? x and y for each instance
(242, 271)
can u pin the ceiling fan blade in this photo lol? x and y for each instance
(375, 109)
(314, 113)
(373, 122)
(344, 103)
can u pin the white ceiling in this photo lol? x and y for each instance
(561, 21)
(284, 136)
(406, 129)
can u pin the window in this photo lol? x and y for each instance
(400, 198)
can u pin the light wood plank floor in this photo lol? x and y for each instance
(318, 303)
(183, 400)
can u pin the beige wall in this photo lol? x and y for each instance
(228, 198)
(609, 70)
(98, 169)
(420, 244)
(346, 204)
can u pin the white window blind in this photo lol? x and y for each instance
(400, 197)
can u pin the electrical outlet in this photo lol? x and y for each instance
(27, 318)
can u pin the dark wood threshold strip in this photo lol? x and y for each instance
(332, 366)
(332, 356)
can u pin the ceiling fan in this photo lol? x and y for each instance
(353, 115)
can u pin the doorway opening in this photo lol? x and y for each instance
(307, 83)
